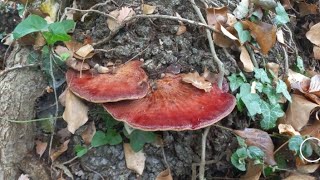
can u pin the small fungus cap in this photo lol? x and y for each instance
(174, 105)
(128, 82)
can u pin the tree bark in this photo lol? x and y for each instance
(19, 89)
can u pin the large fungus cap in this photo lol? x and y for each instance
(174, 105)
(128, 82)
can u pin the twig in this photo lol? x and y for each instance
(253, 58)
(286, 61)
(17, 67)
(194, 168)
(94, 172)
(27, 121)
(70, 161)
(93, 7)
(87, 11)
(103, 50)
(137, 54)
(281, 147)
(203, 153)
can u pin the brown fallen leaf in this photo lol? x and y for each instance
(287, 129)
(73, 45)
(61, 149)
(197, 81)
(147, 9)
(280, 37)
(298, 112)
(182, 28)
(298, 81)
(306, 9)
(63, 134)
(314, 34)
(314, 86)
(120, 15)
(217, 15)
(231, 20)
(316, 52)
(287, 4)
(39, 42)
(253, 171)
(227, 33)
(308, 169)
(85, 50)
(41, 147)
(246, 60)
(62, 98)
(297, 176)
(77, 65)
(75, 113)
(264, 33)
(164, 175)
(134, 160)
(88, 134)
(312, 129)
(261, 139)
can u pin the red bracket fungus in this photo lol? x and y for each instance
(128, 82)
(174, 105)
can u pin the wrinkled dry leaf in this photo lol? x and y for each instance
(298, 81)
(182, 29)
(264, 33)
(39, 42)
(84, 51)
(280, 37)
(306, 9)
(261, 139)
(314, 87)
(287, 129)
(124, 13)
(314, 34)
(24, 177)
(113, 25)
(298, 112)
(246, 60)
(88, 134)
(61, 149)
(227, 33)
(316, 52)
(197, 81)
(63, 134)
(297, 176)
(73, 46)
(253, 171)
(147, 9)
(231, 20)
(164, 175)
(134, 160)
(120, 16)
(75, 113)
(41, 147)
(307, 169)
(77, 65)
(217, 15)
(312, 129)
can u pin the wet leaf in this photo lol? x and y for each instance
(164, 175)
(261, 139)
(306, 9)
(198, 81)
(314, 34)
(57, 152)
(147, 9)
(41, 147)
(217, 15)
(75, 113)
(88, 134)
(134, 160)
(246, 60)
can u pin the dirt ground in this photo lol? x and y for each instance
(155, 41)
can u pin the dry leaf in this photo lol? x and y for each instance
(41, 147)
(253, 87)
(62, 98)
(134, 160)
(313, 98)
(197, 81)
(314, 34)
(56, 153)
(63, 134)
(39, 42)
(242, 9)
(147, 9)
(306, 9)
(24, 177)
(124, 13)
(164, 175)
(314, 87)
(316, 52)
(75, 112)
(84, 51)
(312, 129)
(274, 68)
(280, 37)
(231, 20)
(297, 176)
(113, 25)
(261, 139)
(88, 134)
(182, 29)
(8, 40)
(120, 16)
(298, 112)
(246, 60)
(77, 65)
(298, 81)
(253, 171)
(217, 15)
(264, 33)
(73, 46)
(307, 169)
(221, 40)
(227, 33)
(287, 4)
(287, 129)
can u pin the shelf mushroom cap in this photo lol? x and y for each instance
(174, 105)
(128, 82)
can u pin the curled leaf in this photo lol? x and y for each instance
(198, 81)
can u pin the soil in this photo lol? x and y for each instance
(155, 42)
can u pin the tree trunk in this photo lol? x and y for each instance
(19, 89)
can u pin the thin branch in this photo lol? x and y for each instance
(286, 61)
(17, 67)
(93, 7)
(87, 11)
(27, 121)
(253, 58)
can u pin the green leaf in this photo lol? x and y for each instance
(300, 65)
(80, 150)
(282, 16)
(32, 23)
(294, 143)
(99, 139)
(259, 86)
(282, 88)
(139, 138)
(109, 120)
(252, 103)
(241, 142)
(255, 153)
(270, 113)
(235, 81)
(113, 137)
(238, 158)
(64, 56)
(58, 31)
(261, 75)
(244, 35)
(271, 94)
(240, 104)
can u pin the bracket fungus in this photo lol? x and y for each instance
(128, 82)
(174, 105)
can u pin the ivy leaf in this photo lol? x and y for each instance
(139, 138)
(99, 139)
(255, 153)
(80, 150)
(238, 158)
(32, 23)
(261, 75)
(282, 88)
(282, 16)
(259, 86)
(113, 137)
(252, 103)
(295, 143)
(241, 141)
(300, 65)
(235, 81)
(271, 94)
(244, 35)
(270, 114)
